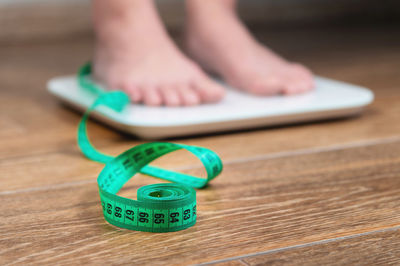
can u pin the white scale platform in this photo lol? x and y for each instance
(330, 99)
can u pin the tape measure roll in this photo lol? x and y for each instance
(161, 207)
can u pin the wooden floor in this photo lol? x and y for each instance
(320, 193)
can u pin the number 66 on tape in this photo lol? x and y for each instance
(162, 207)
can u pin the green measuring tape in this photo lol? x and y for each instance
(162, 207)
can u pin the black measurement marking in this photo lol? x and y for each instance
(174, 217)
(149, 151)
(162, 147)
(127, 164)
(143, 217)
(186, 214)
(109, 208)
(129, 215)
(118, 212)
(159, 218)
(137, 157)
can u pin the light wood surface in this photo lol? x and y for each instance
(380, 248)
(320, 193)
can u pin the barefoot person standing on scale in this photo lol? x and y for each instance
(134, 53)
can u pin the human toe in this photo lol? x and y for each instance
(303, 75)
(151, 96)
(208, 90)
(134, 92)
(189, 96)
(266, 86)
(170, 95)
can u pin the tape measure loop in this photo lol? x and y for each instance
(161, 207)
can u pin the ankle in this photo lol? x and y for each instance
(104, 9)
(200, 12)
(122, 19)
(194, 7)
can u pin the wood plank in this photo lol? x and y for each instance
(253, 207)
(381, 248)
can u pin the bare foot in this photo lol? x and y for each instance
(217, 39)
(134, 53)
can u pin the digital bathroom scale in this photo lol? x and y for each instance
(330, 99)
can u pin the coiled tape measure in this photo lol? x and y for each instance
(162, 207)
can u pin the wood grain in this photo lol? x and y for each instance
(253, 207)
(381, 248)
(300, 184)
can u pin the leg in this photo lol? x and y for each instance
(217, 39)
(133, 52)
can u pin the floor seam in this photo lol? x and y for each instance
(310, 244)
(364, 143)
(276, 155)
